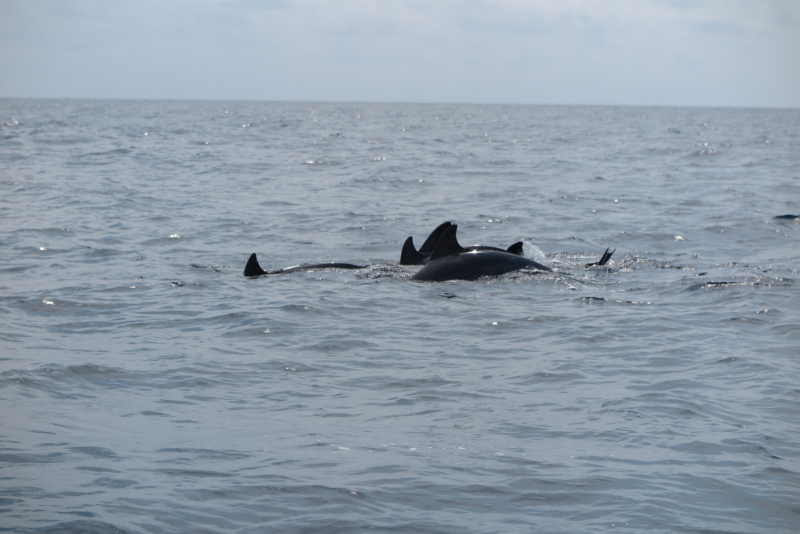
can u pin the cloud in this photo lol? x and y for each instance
(667, 52)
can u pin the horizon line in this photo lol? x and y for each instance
(377, 102)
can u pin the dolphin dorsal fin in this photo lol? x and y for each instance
(606, 257)
(516, 248)
(430, 243)
(253, 268)
(409, 255)
(448, 244)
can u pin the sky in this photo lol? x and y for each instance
(721, 53)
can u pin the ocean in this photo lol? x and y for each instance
(147, 386)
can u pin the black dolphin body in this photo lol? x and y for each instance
(254, 269)
(410, 255)
(451, 261)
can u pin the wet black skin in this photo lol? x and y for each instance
(471, 265)
(410, 255)
(254, 269)
(451, 261)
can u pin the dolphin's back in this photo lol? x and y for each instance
(254, 269)
(316, 266)
(472, 265)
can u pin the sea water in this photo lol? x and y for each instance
(147, 386)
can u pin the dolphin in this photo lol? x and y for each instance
(254, 269)
(410, 255)
(451, 261)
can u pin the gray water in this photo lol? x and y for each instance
(148, 387)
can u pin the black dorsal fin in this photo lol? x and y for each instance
(409, 255)
(448, 244)
(606, 257)
(430, 243)
(253, 268)
(516, 248)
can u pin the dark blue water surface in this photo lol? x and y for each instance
(146, 386)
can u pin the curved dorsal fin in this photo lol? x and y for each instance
(409, 255)
(430, 243)
(516, 248)
(448, 244)
(253, 268)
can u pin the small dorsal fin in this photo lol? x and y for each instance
(516, 248)
(448, 244)
(253, 268)
(409, 255)
(430, 243)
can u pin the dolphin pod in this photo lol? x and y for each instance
(443, 259)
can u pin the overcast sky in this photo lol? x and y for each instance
(630, 52)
